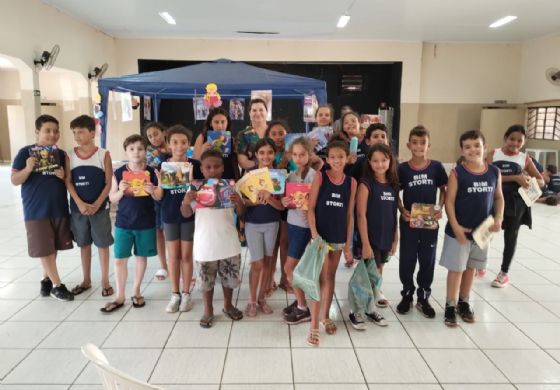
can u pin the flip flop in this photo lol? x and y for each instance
(234, 313)
(161, 274)
(79, 289)
(106, 292)
(138, 302)
(111, 307)
(206, 322)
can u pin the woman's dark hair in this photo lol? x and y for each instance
(471, 134)
(391, 175)
(515, 129)
(282, 123)
(157, 125)
(257, 101)
(342, 123)
(178, 129)
(264, 142)
(213, 112)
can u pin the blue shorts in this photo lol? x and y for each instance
(143, 241)
(298, 238)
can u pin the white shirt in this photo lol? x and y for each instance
(215, 235)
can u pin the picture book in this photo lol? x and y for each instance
(136, 182)
(290, 137)
(174, 174)
(322, 135)
(299, 192)
(422, 216)
(255, 181)
(278, 177)
(220, 140)
(532, 193)
(47, 158)
(213, 193)
(482, 234)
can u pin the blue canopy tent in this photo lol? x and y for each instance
(234, 79)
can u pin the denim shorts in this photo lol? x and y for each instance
(298, 238)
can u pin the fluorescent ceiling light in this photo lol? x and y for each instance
(343, 21)
(502, 21)
(167, 17)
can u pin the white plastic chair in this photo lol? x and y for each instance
(111, 378)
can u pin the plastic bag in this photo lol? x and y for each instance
(360, 292)
(375, 278)
(308, 270)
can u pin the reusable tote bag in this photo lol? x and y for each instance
(307, 272)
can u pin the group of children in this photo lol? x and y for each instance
(353, 203)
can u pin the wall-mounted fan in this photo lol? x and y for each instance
(553, 76)
(98, 72)
(47, 59)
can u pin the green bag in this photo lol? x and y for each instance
(374, 277)
(359, 289)
(308, 270)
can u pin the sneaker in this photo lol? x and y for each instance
(376, 318)
(186, 302)
(425, 308)
(174, 302)
(450, 316)
(288, 309)
(46, 287)
(61, 293)
(357, 321)
(297, 316)
(501, 280)
(465, 311)
(404, 305)
(480, 273)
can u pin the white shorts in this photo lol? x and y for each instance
(456, 257)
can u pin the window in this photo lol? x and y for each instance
(544, 123)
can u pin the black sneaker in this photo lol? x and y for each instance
(290, 308)
(46, 287)
(450, 317)
(405, 304)
(357, 321)
(297, 316)
(465, 311)
(61, 293)
(425, 308)
(376, 318)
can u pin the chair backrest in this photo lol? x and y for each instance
(111, 378)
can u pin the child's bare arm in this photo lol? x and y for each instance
(20, 177)
(361, 207)
(313, 195)
(186, 208)
(117, 190)
(498, 207)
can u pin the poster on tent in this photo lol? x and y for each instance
(310, 105)
(237, 109)
(126, 106)
(147, 108)
(200, 109)
(265, 95)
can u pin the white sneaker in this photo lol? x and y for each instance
(186, 302)
(173, 305)
(357, 321)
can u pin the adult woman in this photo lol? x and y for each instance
(248, 138)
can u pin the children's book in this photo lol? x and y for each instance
(278, 177)
(423, 216)
(255, 181)
(290, 137)
(482, 234)
(220, 140)
(136, 182)
(299, 192)
(532, 193)
(174, 174)
(213, 193)
(322, 135)
(47, 158)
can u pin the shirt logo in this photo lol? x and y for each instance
(480, 186)
(388, 196)
(333, 203)
(420, 180)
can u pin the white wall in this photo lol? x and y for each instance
(537, 56)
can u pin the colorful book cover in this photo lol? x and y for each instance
(299, 192)
(220, 140)
(174, 174)
(278, 177)
(290, 137)
(482, 234)
(136, 182)
(532, 193)
(154, 156)
(47, 158)
(255, 181)
(213, 193)
(422, 216)
(322, 135)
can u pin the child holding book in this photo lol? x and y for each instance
(215, 225)
(331, 216)
(134, 187)
(420, 178)
(324, 119)
(88, 184)
(40, 170)
(474, 189)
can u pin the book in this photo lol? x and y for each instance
(255, 181)
(482, 234)
(174, 174)
(532, 193)
(322, 135)
(290, 137)
(47, 158)
(213, 193)
(278, 177)
(422, 216)
(299, 192)
(136, 182)
(220, 140)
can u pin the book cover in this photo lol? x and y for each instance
(47, 158)
(322, 135)
(482, 234)
(213, 193)
(532, 193)
(174, 174)
(422, 216)
(220, 140)
(136, 182)
(278, 177)
(290, 137)
(299, 192)
(254, 181)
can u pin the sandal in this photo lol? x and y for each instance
(206, 322)
(161, 274)
(251, 310)
(264, 307)
(107, 291)
(330, 327)
(79, 289)
(138, 301)
(111, 307)
(313, 338)
(234, 313)
(381, 301)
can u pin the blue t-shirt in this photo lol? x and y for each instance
(88, 177)
(381, 213)
(332, 205)
(554, 184)
(43, 194)
(262, 213)
(421, 185)
(136, 213)
(475, 196)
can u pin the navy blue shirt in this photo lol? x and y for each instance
(331, 209)
(381, 213)
(262, 213)
(230, 162)
(136, 213)
(43, 194)
(421, 185)
(475, 196)
(554, 184)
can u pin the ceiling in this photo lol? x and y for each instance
(398, 20)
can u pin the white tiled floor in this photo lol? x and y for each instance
(514, 344)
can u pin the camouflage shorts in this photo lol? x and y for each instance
(228, 269)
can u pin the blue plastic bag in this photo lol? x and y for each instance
(308, 270)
